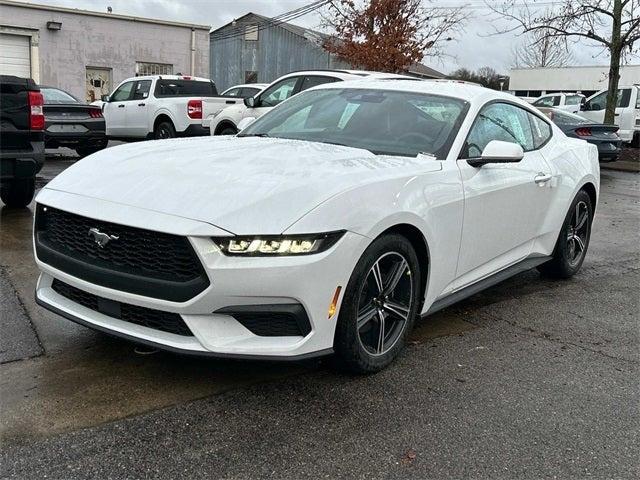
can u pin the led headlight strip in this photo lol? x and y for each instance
(277, 245)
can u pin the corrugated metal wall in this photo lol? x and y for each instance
(276, 53)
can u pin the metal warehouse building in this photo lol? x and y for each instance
(87, 53)
(254, 48)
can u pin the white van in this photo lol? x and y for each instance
(627, 112)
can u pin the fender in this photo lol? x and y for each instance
(163, 111)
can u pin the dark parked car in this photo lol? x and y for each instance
(21, 139)
(602, 136)
(72, 123)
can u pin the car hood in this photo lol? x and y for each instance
(242, 185)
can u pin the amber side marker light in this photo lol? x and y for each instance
(334, 303)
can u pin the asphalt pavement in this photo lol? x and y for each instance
(532, 378)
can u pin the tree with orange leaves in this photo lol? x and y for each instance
(389, 35)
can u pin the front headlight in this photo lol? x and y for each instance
(277, 245)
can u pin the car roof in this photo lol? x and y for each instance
(450, 88)
(248, 85)
(169, 77)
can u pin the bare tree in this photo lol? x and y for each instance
(389, 35)
(613, 25)
(539, 50)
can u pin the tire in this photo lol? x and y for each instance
(359, 349)
(18, 193)
(164, 129)
(228, 130)
(86, 151)
(566, 259)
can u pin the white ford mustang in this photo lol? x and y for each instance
(327, 225)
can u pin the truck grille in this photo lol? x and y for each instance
(146, 317)
(135, 260)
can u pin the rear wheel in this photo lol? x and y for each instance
(84, 151)
(18, 192)
(164, 129)
(228, 130)
(379, 306)
(571, 246)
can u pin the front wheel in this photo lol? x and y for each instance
(379, 306)
(18, 193)
(573, 241)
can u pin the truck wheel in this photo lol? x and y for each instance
(18, 193)
(228, 131)
(164, 130)
(84, 151)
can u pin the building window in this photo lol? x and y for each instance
(251, 33)
(145, 68)
(250, 77)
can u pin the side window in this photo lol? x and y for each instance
(248, 92)
(541, 130)
(499, 121)
(624, 98)
(234, 92)
(556, 100)
(312, 81)
(142, 90)
(544, 102)
(278, 93)
(598, 102)
(123, 92)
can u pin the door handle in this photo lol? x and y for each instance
(121, 106)
(141, 104)
(542, 178)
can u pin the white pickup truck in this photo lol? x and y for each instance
(627, 112)
(160, 106)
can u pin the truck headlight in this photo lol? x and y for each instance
(277, 245)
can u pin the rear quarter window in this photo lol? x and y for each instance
(184, 88)
(541, 130)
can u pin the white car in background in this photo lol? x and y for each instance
(627, 112)
(326, 226)
(159, 106)
(211, 107)
(225, 121)
(569, 102)
(244, 90)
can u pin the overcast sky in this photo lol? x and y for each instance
(473, 50)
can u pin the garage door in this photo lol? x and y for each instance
(15, 56)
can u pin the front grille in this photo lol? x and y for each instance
(146, 317)
(139, 261)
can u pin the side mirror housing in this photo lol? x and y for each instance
(105, 98)
(498, 151)
(244, 123)
(250, 102)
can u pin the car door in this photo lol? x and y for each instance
(505, 203)
(116, 109)
(137, 113)
(273, 95)
(594, 108)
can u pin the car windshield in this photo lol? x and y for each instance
(384, 122)
(53, 95)
(560, 117)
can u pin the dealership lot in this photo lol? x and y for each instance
(531, 378)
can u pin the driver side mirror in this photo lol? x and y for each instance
(498, 151)
(105, 98)
(250, 102)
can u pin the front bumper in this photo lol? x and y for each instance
(235, 282)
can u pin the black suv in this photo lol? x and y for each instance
(21, 139)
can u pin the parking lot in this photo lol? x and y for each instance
(530, 379)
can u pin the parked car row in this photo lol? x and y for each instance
(627, 114)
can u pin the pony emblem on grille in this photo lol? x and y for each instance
(101, 238)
